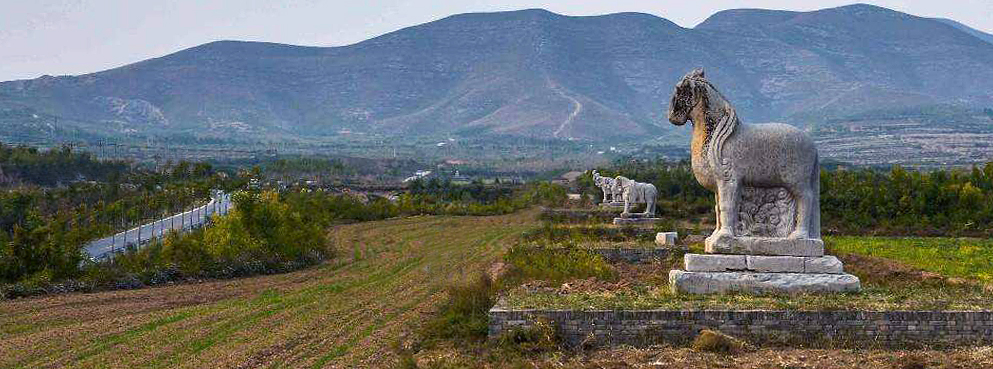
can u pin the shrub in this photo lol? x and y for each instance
(465, 315)
(714, 341)
(539, 337)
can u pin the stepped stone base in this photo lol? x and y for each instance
(727, 244)
(763, 264)
(612, 205)
(761, 283)
(636, 221)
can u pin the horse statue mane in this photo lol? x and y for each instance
(721, 122)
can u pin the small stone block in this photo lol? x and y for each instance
(666, 238)
(775, 264)
(636, 221)
(760, 283)
(824, 264)
(764, 246)
(713, 263)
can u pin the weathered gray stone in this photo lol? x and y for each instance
(666, 238)
(726, 244)
(824, 264)
(633, 192)
(761, 264)
(636, 221)
(775, 264)
(606, 185)
(760, 283)
(729, 157)
(714, 263)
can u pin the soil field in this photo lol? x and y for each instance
(348, 313)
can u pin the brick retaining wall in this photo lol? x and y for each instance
(577, 215)
(793, 328)
(633, 255)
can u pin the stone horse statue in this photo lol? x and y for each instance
(606, 185)
(636, 193)
(729, 157)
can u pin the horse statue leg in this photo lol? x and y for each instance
(729, 194)
(717, 213)
(651, 195)
(627, 204)
(803, 192)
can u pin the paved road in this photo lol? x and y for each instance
(182, 222)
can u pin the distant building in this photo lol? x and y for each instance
(418, 175)
(460, 179)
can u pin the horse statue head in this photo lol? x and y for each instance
(690, 93)
(621, 183)
(714, 119)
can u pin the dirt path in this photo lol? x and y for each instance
(577, 107)
(343, 314)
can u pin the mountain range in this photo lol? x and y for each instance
(529, 73)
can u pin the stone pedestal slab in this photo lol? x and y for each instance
(764, 246)
(636, 221)
(826, 264)
(763, 264)
(714, 263)
(775, 264)
(760, 283)
(612, 205)
(666, 238)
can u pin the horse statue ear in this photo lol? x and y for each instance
(697, 73)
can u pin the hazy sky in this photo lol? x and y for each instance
(78, 36)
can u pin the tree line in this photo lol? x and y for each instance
(897, 201)
(266, 232)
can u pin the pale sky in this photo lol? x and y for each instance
(61, 37)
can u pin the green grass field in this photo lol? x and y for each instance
(952, 257)
(348, 313)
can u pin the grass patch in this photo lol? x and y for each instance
(953, 257)
(588, 233)
(556, 264)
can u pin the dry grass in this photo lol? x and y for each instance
(687, 358)
(346, 313)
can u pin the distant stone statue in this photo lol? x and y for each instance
(606, 185)
(765, 176)
(636, 193)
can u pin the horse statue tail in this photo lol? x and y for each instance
(815, 187)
